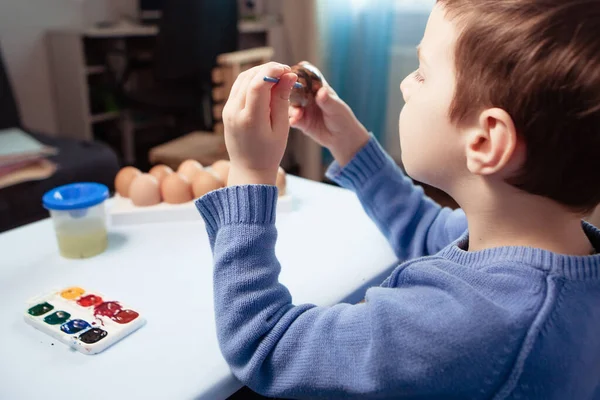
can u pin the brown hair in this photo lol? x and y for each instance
(539, 60)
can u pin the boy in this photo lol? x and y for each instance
(504, 115)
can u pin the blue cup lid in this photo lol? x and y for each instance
(75, 196)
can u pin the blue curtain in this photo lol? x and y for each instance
(357, 36)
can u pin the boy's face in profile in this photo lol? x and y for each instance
(431, 148)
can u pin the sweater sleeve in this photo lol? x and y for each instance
(413, 224)
(417, 341)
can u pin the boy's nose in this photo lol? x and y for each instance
(405, 89)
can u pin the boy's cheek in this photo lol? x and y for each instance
(413, 149)
(404, 120)
(405, 130)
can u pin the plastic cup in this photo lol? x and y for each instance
(79, 217)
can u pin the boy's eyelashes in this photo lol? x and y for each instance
(418, 77)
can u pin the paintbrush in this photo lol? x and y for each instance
(297, 85)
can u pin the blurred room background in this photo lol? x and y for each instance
(109, 83)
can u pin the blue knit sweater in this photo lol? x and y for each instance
(504, 323)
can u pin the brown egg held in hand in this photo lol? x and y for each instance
(281, 182)
(311, 80)
(205, 182)
(189, 169)
(176, 189)
(124, 179)
(160, 172)
(221, 169)
(145, 191)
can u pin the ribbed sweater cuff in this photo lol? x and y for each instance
(366, 163)
(248, 204)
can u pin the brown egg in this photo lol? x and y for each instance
(189, 169)
(205, 182)
(281, 182)
(160, 172)
(311, 79)
(145, 191)
(124, 179)
(221, 169)
(176, 189)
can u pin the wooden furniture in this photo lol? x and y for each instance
(79, 75)
(208, 147)
(84, 108)
(205, 147)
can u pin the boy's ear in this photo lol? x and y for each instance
(492, 143)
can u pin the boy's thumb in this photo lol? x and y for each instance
(327, 100)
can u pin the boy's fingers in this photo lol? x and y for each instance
(235, 89)
(327, 100)
(245, 79)
(258, 94)
(280, 101)
(296, 114)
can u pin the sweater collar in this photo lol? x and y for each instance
(569, 267)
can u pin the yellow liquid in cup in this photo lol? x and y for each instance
(82, 239)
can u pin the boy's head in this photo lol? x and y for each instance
(508, 90)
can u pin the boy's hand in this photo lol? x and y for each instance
(332, 124)
(256, 120)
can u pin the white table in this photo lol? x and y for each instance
(329, 250)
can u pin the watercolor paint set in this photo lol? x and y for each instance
(86, 321)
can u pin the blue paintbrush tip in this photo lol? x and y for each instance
(297, 85)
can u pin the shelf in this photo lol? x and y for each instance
(259, 25)
(121, 31)
(252, 27)
(94, 119)
(95, 69)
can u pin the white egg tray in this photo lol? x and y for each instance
(123, 212)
